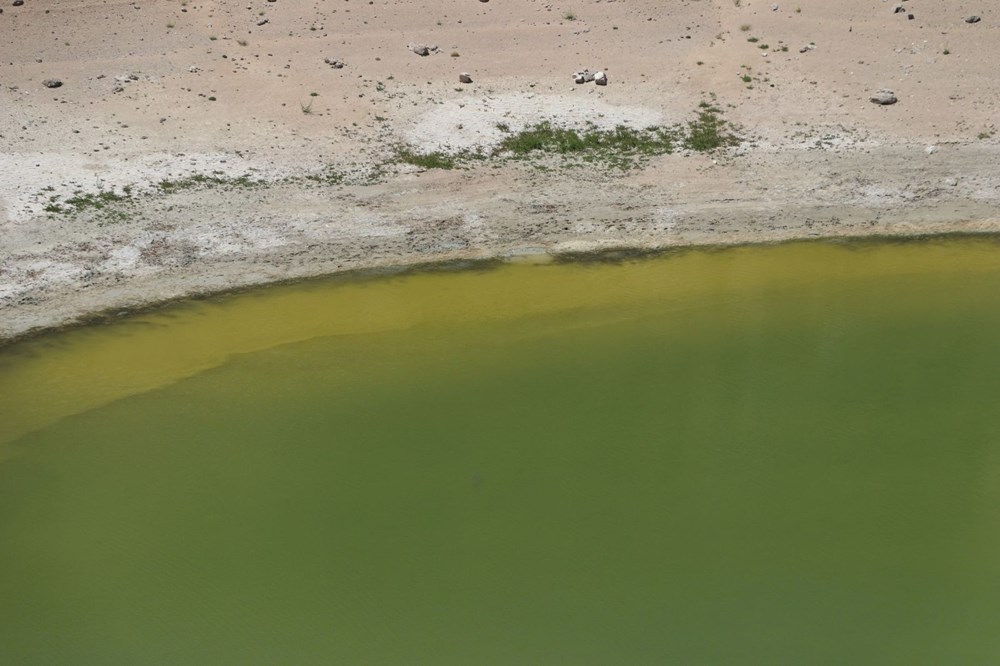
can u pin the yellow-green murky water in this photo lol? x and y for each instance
(778, 455)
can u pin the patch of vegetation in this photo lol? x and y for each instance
(328, 176)
(434, 160)
(111, 206)
(80, 202)
(753, 40)
(988, 134)
(569, 16)
(201, 180)
(709, 132)
(619, 146)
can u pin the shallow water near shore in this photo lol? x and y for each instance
(782, 455)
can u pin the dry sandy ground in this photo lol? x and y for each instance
(162, 90)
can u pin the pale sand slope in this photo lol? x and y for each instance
(820, 159)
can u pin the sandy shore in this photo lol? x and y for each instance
(155, 92)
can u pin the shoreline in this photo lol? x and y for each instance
(55, 319)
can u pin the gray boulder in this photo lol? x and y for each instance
(884, 97)
(52, 83)
(972, 19)
(422, 49)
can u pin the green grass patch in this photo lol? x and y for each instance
(434, 160)
(201, 180)
(621, 148)
(98, 201)
(709, 132)
(619, 145)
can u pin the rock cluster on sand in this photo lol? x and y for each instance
(51, 83)
(586, 76)
(334, 62)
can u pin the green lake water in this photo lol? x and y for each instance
(772, 455)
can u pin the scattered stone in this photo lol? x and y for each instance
(884, 97)
(333, 62)
(263, 21)
(600, 78)
(583, 77)
(422, 49)
(774, 7)
(898, 9)
(972, 19)
(194, 69)
(52, 83)
(951, 182)
(464, 78)
(807, 48)
(910, 17)
(930, 150)
(18, 3)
